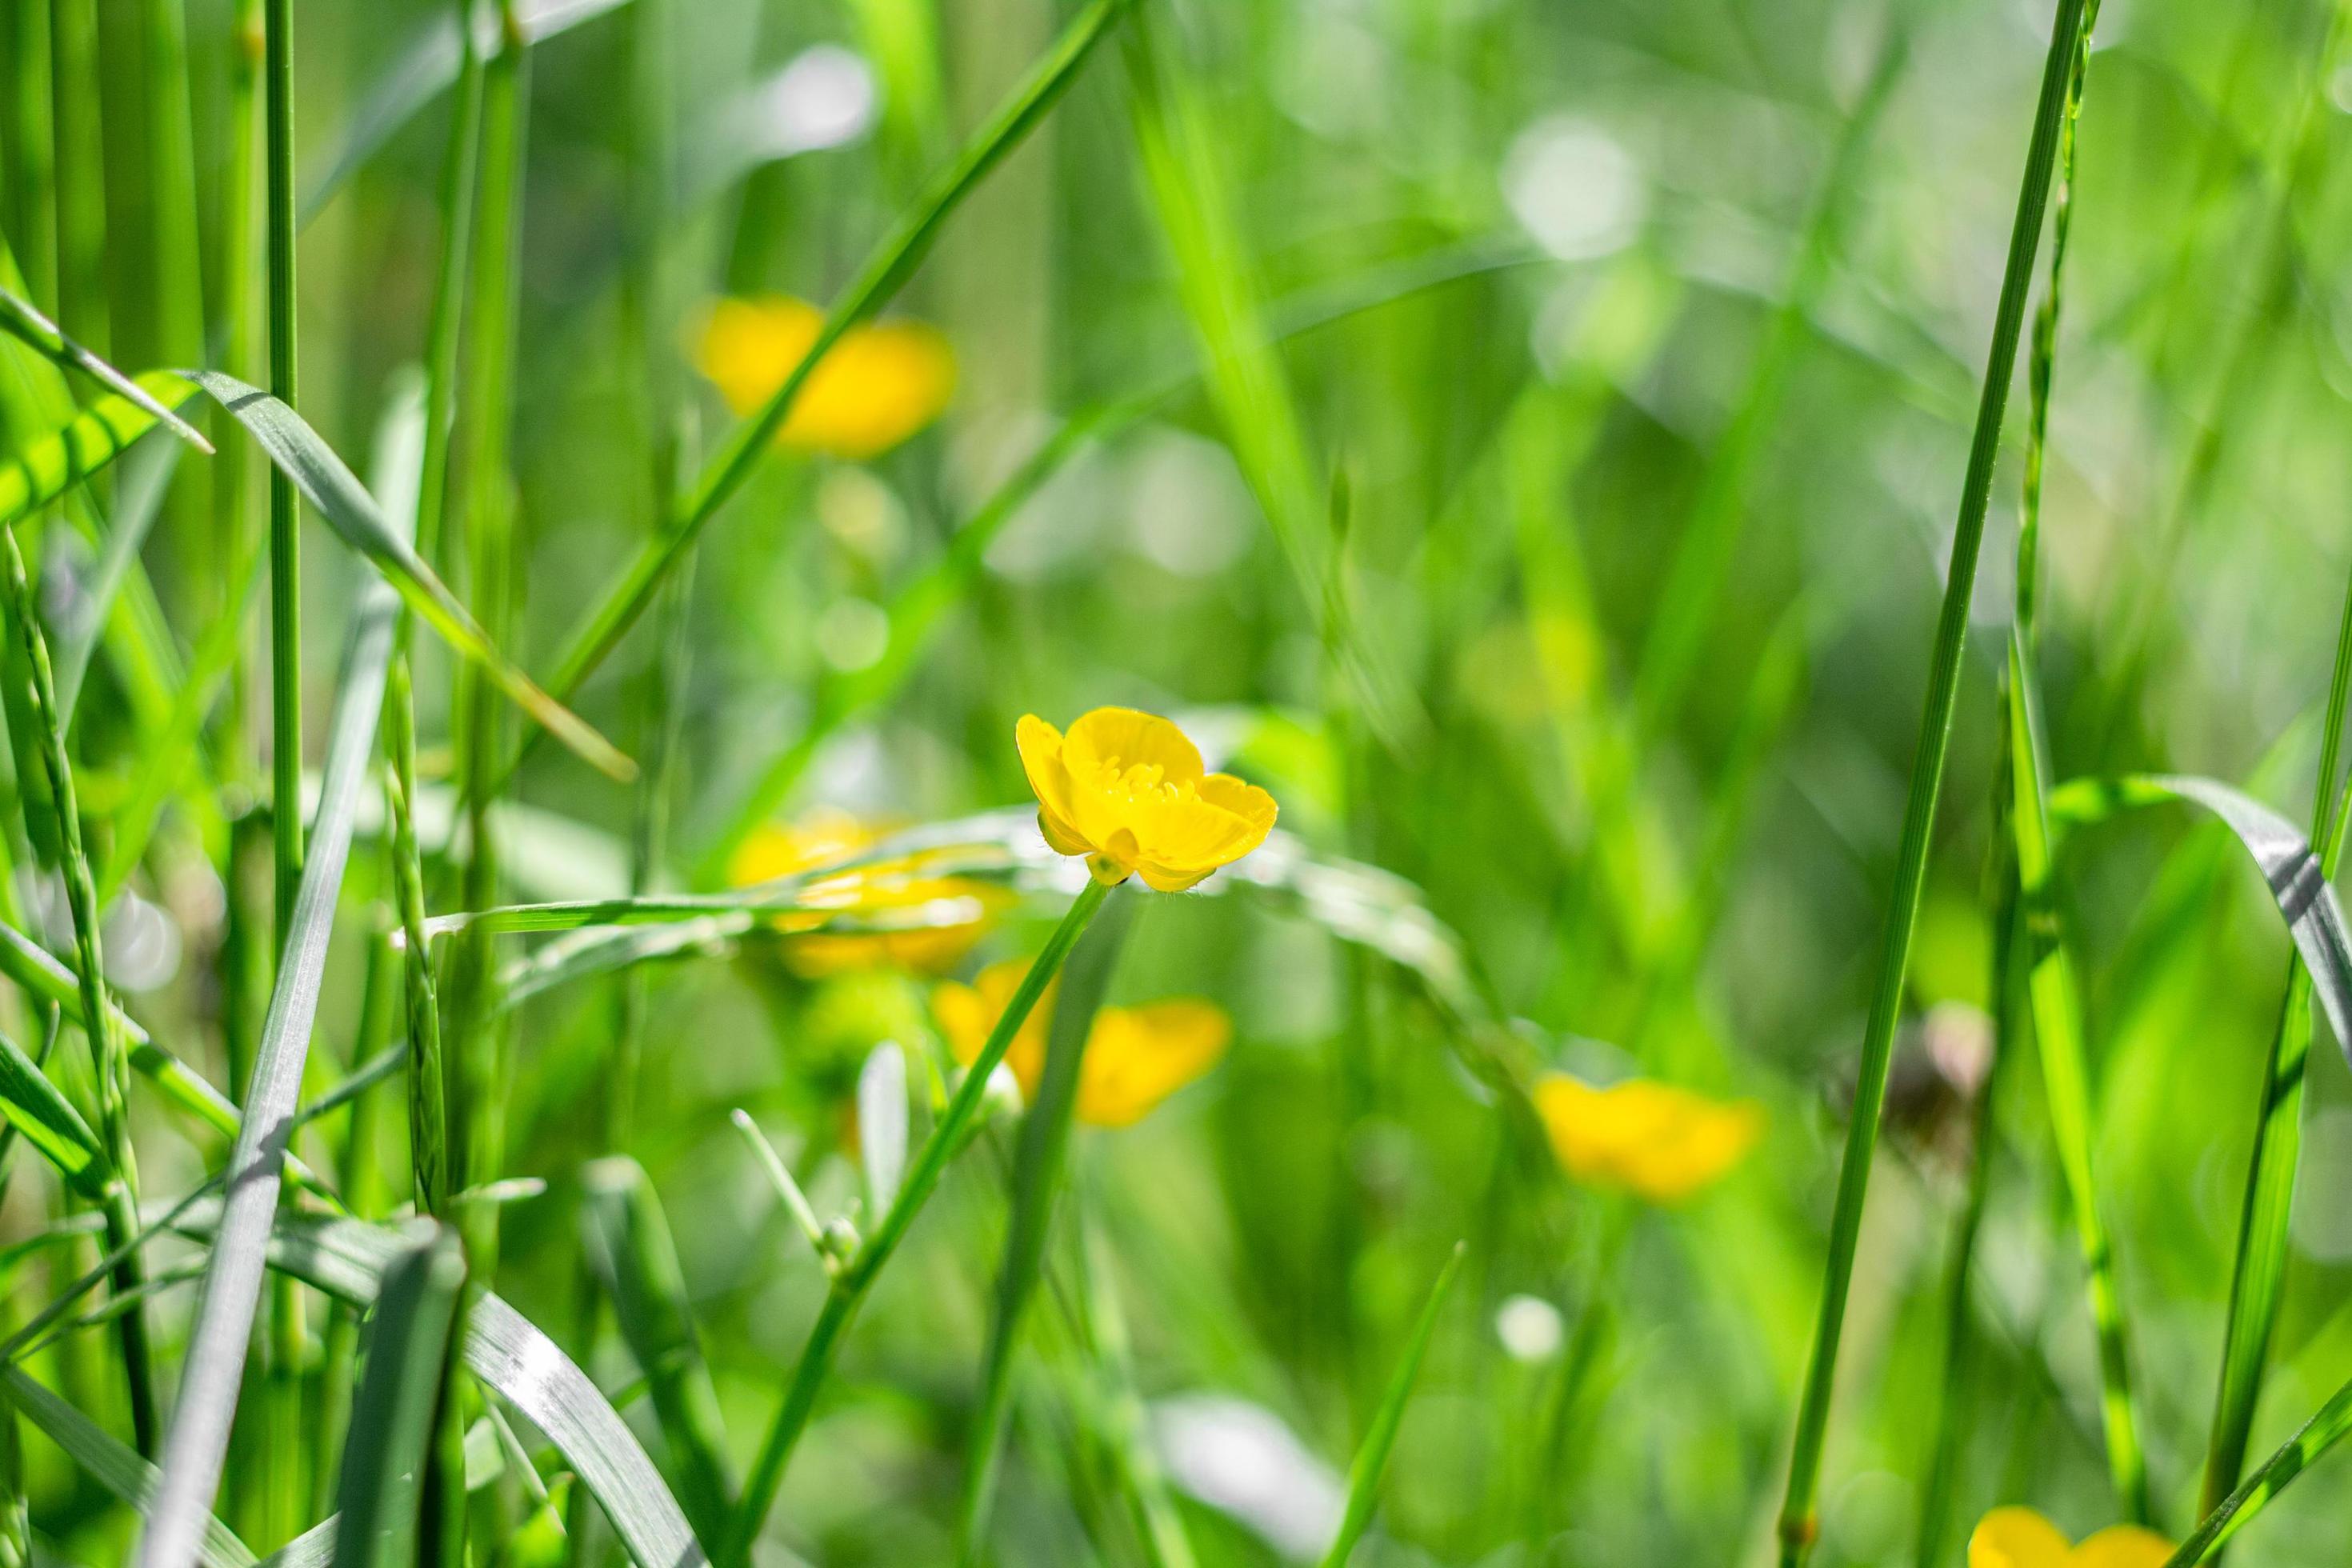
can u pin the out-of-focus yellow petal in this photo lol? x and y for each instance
(1138, 1056)
(1127, 790)
(935, 937)
(1651, 1138)
(880, 384)
(968, 1013)
(2016, 1537)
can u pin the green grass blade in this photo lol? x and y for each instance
(36, 1109)
(346, 1260)
(1036, 1181)
(196, 1449)
(630, 1243)
(331, 487)
(850, 1286)
(140, 485)
(392, 1421)
(1798, 1525)
(113, 1466)
(285, 508)
(2058, 1035)
(884, 273)
(44, 470)
(29, 326)
(1372, 1454)
(2326, 1428)
(2259, 1269)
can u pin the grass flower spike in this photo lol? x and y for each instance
(2020, 1538)
(880, 385)
(1134, 1056)
(1127, 791)
(1646, 1137)
(945, 914)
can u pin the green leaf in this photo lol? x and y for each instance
(112, 1465)
(36, 1108)
(1373, 1456)
(391, 1420)
(331, 486)
(629, 1241)
(29, 326)
(46, 468)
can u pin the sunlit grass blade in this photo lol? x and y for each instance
(2260, 1267)
(631, 1244)
(196, 1449)
(1036, 1180)
(44, 470)
(1372, 1454)
(883, 274)
(850, 1286)
(392, 1418)
(346, 1259)
(1798, 1524)
(113, 1466)
(29, 326)
(36, 1108)
(331, 487)
(2326, 1428)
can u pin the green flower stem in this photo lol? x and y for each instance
(850, 1286)
(1798, 1524)
(110, 1059)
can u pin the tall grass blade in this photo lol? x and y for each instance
(140, 485)
(38, 1110)
(331, 487)
(20, 321)
(1798, 1525)
(197, 1446)
(630, 1242)
(2326, 1428)
(1036, 1180)
(392, 1418)
(1372, 1454)
(883, 272)
(44, 468)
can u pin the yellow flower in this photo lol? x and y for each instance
(880, 890)
(2020, 1538)
(1135, 1057)
(1647, 1137)
(1127, 790)
(876, 386)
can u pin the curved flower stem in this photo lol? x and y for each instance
(851, 1285)
(1798, 1525)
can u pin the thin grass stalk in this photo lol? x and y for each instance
(428, 1133)
(444, 327)
(2326, 1428)
(850, 1286)
(1102, 1324)
(2051, 986)
(79, 120)
(476, 1121)
(2258, 1269)
(1798, 1523)
(233, 274)
(1954, 1402)
(285, 506)
(110, 1062)
(1372, 1454)
(32, 145)
(171, 173)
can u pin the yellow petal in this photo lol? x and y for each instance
(1123, 738)
(2122, 1546)
(2017, 1538)
(878, 385)
(1138, 1056)
(1041, 746)
(967, 1014)
(1657, 1140)
(1246, 801)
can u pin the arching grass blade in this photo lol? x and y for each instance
(391, 1420)
(1372, 1454)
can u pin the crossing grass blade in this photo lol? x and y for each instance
(47, 1120)
(630, 1242)
(29, 326)
(44, 470)
(1372, 1454)
(331, 487)
(196, 1449)
(1036, 1180)
(885, 271)
(112, 1464)
(392, 1418)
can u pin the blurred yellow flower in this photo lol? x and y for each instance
(2020, 1538)
(1135, 1057)
(1647, 1137)
(879, 384)
(877, 891)
(1127, 791)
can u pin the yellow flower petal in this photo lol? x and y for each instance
(967, 1014)
(933, 938)
(1138, 1056)
(2020, 1538)
(1651, 1138)
(1126, 789)
(880, 384)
